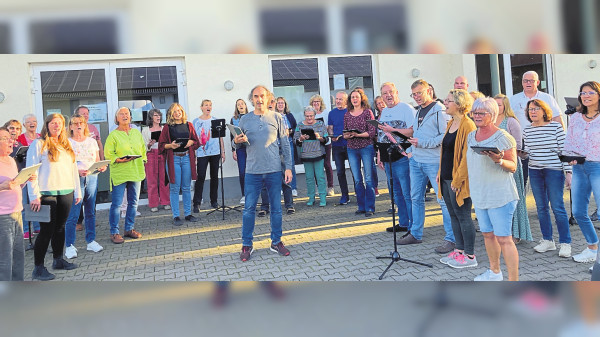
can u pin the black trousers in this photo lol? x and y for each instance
(53, 231)
(202, 165)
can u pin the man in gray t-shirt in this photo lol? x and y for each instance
(266, 134)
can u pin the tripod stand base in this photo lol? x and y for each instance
(395, 257)
(225, 209)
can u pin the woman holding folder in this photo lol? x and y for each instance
(126, 150)
(87, 153)
(158, 190)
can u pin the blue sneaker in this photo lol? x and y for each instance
(344, 200)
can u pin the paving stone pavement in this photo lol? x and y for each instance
(326, 243)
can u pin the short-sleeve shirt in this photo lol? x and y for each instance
(336, 119)
(85, 152)
(94, 133)
(518, 103)
(10, 200)
(490, 185)
(203, 129)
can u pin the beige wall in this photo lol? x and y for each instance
(570, 71)
(439, 70)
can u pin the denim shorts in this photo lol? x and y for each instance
(497, 220)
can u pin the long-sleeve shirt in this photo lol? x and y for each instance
(430, 133)
(360, 123)
(119, 144)
(266, 134)
(10, 200)
(543, 143)
(54, 177)
(311, 150)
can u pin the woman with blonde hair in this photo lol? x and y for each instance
(507, 120)
(57, 186)
(453, 179)
(86, 154)
(181, 157)
(316, 101)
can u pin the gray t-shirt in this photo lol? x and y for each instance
(490, 185)
(266, 134)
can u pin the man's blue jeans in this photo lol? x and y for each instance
(586, 178)
(183, 181)
(89, 186)
(401, 182)
(365, 190)
(254, 184)
(133, 195)
(419, 174)
(548, 186)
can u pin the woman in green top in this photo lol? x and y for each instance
(126, 150)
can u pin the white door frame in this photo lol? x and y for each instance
(109, 66)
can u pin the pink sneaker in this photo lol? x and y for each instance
(449, 257)
(26, 236)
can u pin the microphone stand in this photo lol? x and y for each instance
(395, 255)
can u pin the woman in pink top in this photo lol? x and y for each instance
(12, 250)
(360, 149)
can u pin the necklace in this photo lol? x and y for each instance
(594, 116)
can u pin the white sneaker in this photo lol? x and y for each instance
(167, 207)
(592, 268)
(242, 200)
(154, 209)
(71, 252)
(330, 192)
(489, 275)
(94, 247)
(587, 255)
(544, 246)
(137, 213)
(294, 193)
(123, 214)
(565, 250)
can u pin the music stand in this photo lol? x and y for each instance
(217, 130)
(572, 103)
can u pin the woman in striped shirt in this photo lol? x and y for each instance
(543, 139)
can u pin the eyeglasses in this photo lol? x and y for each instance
(588, 93)
(448, 101)
(480, 113)
(537, 108)
(529, 81)
(416, 94)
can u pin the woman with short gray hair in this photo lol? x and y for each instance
(493, 189)
(312, 151)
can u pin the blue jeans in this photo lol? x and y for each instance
(89, 187)
(365, 191)
(133, 195)
(183, 181)
(293, 184)
(419, 174)
(548, 186)
(586, 178)
(254, 184)
(340, 155)
(34, 224)
(401, 182)
(241, 163)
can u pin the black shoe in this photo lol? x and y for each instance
(177, 221)
(60, 263)
(368, 214)
(196, 209)
(359, 212)
(262, 213)
(214, 205)
(42, 274)
(398, 229)
(191, 218)
(291, 210)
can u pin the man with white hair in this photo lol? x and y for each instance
(518, 102)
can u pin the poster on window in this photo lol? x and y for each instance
(339, 82)
(98, 112)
